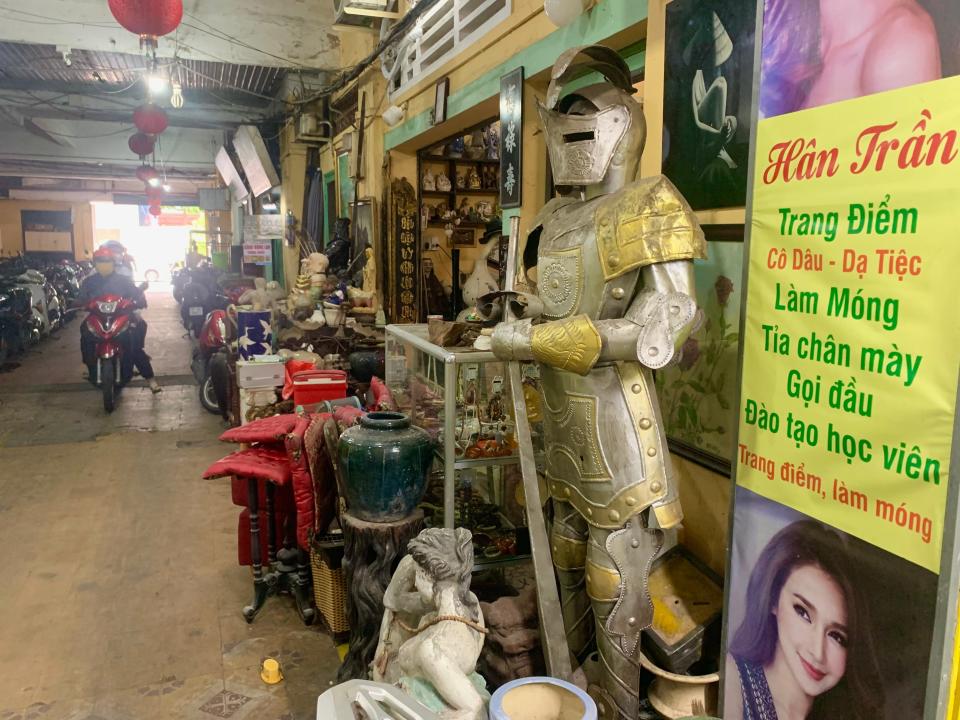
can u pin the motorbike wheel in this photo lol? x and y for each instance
(6, 348)
(108, 381)
(219, 372)
(208, 395)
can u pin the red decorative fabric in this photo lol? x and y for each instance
(302, 482)
(268, 429)
(148, 17)
(321, 471)
(263, 463)
(382, 397)
(347, 416)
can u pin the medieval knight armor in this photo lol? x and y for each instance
(614, 275)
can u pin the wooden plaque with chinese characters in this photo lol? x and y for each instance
(511, 138)
(403, 278)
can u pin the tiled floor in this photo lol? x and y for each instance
(121, 594)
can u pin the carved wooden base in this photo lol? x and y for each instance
(370, 556)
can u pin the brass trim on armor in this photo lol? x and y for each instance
(568, 554)
(572, 344)
(645, 223)
(669, 515)
(603, 584)
(624, 505)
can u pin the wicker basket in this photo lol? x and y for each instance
(329, 591)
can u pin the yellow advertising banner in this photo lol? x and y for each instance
(852, 334)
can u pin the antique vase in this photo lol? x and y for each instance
(364, 364)
(385, 463)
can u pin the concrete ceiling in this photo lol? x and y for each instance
(68, 87)
(283, 33)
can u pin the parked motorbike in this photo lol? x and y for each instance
(19, 328)
(109, 322)
(201, 296)
(209, 364)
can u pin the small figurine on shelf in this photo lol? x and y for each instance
(473, 179)
(484, 210)
(461, 181)
(493, 141)
(490, 180)
(429, 183)
(443, 183)
(456, 147)
(475, 147)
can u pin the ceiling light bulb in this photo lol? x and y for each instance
(176, 98)
(154, 182)
(564, 12)
(167, 188)
(156, 83)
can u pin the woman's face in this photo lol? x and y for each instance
(812, 629)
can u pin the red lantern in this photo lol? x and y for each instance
(148, 18)
(150, 119)
(141, 144)
(155, 210)
(146, 173)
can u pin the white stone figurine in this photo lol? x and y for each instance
(433, 631)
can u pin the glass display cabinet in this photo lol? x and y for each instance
(461, 396)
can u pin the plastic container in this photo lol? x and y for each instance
(315, 386)
(566, 696)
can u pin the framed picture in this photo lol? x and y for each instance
(364, 230)
(707, 98)
(511, 139)
(440, 101)
(463, 237)
(698, 395)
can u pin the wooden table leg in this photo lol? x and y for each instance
(260, 588)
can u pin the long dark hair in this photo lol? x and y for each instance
(859, 694)
(790, 57)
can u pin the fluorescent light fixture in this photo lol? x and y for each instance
(167, 188)
(268, 206)
(154, 182)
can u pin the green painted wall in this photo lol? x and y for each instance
(607, 19)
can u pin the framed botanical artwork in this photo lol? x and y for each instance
(707, 99)
(698, 394)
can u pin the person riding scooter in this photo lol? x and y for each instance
(106, 281)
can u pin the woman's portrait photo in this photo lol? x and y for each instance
(812, 633)
(817, 52)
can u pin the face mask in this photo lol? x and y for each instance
(105, 268)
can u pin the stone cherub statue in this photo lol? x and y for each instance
(433, 631)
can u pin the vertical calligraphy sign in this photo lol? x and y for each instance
(843, 522)
(511, 139)
(406, 261)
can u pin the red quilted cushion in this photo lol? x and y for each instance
(268, 429)
(263, 463)
(382, 397)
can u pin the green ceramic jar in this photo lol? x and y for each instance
(385, 463)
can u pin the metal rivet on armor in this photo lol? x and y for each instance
(645, 424)
(556, 549)
(674, 309)
(555, 284)
(636, 388)
(590, 512)
(614, 515)
(652, 452)
(655, 487)
(618, 293)
(631, 501)
(613, 259)
(653, 352)
(566, 492)
(605, 222)
(632, 621)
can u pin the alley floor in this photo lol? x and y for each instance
(121, 594)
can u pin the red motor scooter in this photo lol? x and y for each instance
(109, 323)
(209, 363)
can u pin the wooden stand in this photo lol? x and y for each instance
(370, 557)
